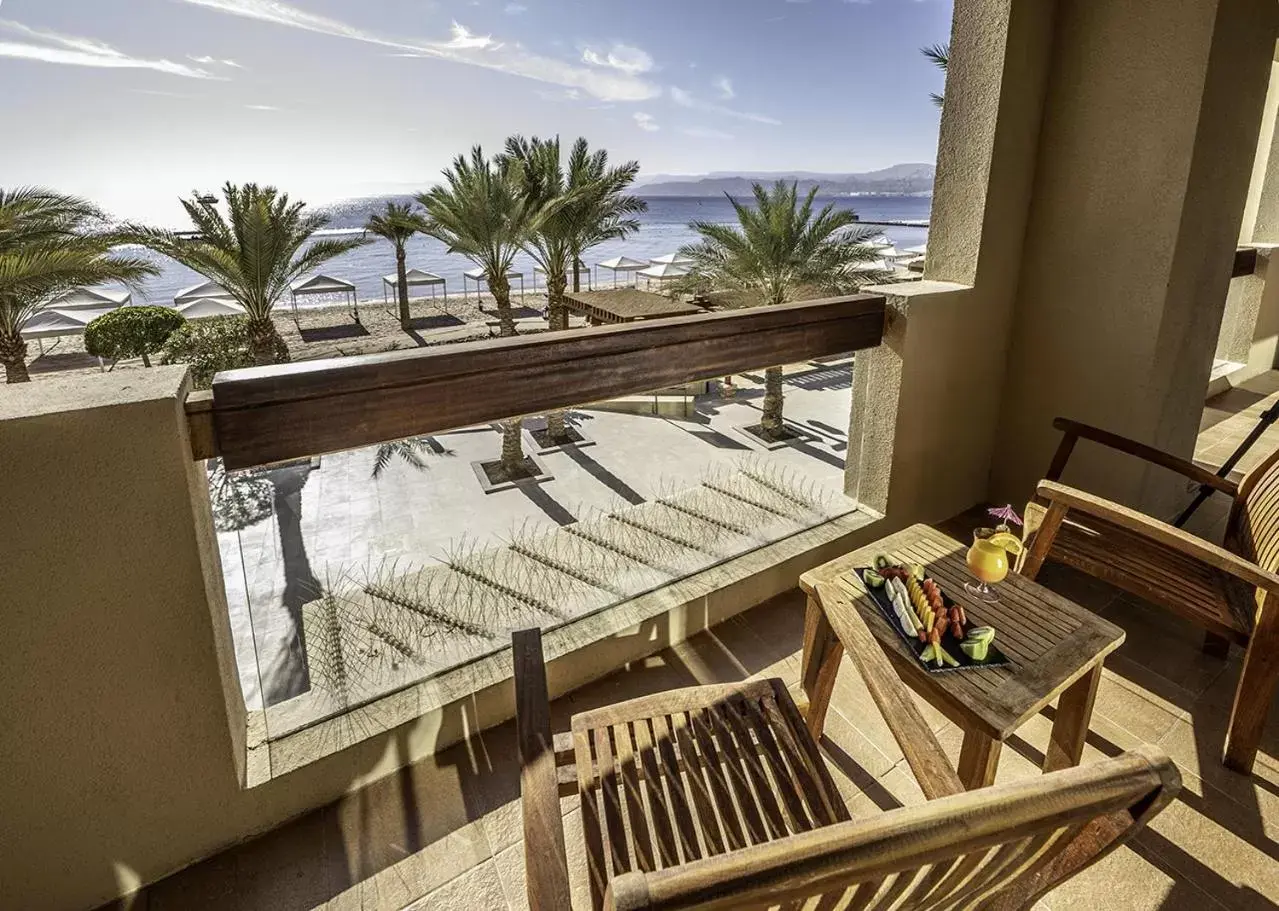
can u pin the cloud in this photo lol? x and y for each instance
(463, 47)
(514, 9)
(688, 100)
(646, 122)
(262, 107)
(210, 61)
(621, 57)
(465, 40)
(558, 94)
(725, 87)
(69, 50)
(706, 133)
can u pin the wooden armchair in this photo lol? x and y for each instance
(1231, 591)
(716, 797)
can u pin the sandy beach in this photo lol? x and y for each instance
(320, 332)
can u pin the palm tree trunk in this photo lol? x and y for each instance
(577, 278)
(557, 320)
(13, 354)
(500, 285)
(146, 361)
(265, 344)
(772, 418)
(402, 277)
(513, 447)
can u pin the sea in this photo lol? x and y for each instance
(664, 228)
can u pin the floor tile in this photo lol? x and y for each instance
(478, 888)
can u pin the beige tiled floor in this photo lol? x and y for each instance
(445, 833)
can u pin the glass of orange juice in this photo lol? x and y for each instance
(989, 560)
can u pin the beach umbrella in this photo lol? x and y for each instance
(622, 264)
(671, 259)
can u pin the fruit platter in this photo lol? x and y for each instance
(936, 628)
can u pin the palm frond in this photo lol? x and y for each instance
(939, 54)
(50, 244)
(263, 243)
(781, 248)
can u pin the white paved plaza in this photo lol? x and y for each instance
(337, 519)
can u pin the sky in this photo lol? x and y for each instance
(135, 103)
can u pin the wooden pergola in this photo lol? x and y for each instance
(625, 305)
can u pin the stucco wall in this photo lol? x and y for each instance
(1149, 133)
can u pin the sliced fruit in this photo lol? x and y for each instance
(976, 649)
(947, 657)
(882, 561)
(917, 570)
(982, 633)
(927, 654)
(1008, 541)
(873, 579)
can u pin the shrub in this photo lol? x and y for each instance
(209, 346)
(131, 332)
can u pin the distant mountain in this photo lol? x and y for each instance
(900, 179)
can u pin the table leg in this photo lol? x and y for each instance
(978, 760)
(822, 653)
(1070, 727)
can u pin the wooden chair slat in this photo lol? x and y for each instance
(765, 789)
(636, 813)
(721, 791)
(993, 864)
(611, 797)
(815, 798)
(808, 751)
(589, 787)
(732, 763)
(660, 813)
(780, 759)
(863, 894)
(1198, 592)
(896, 888)
(959, 876)
(672, 774)
(699, 786)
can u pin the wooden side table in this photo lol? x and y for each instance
(1055, 648)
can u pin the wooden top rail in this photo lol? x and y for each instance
(269, 414)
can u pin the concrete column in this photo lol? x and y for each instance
(1149, 133)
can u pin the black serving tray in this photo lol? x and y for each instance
(994, 657)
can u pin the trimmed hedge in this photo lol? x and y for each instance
(131, 332)
(208, 346)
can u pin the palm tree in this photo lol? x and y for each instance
(398, 224)
(778, 250)
(51, 243)
(482, 212)
(585, 203)
(263, 244)
(607, 214)
(939, 54)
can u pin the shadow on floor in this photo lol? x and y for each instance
(332, 333)
(554, 510)
(54, 361)
(603, 475)
(437, 321)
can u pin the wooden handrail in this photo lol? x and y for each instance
(268, 414)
